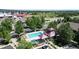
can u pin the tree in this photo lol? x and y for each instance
(52, 25)
(19, 27)
(5, 34)
(76, 36)
(5, 29)
(67, 19)
(75, 19)
(7, 23)
(42, 20)
(31, 22)
(24, 45)
(66, 32)
(35, 22)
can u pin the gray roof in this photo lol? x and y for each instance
(14, 34)
(28, 30)
(1, 39)
(7, 47)
(74, 26)
(70, 47)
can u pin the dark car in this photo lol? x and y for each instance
(1, 40)
(28, 30)
(14, 35)
(44, 47)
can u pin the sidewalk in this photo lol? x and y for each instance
(54, 46)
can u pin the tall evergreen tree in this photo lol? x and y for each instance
(19, 27)
(5, 34)
(7, 23)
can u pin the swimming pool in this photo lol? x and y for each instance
(35, 34)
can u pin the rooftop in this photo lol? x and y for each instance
(74, 26)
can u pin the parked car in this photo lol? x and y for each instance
(2, 41)
(28, 30)
(44, 47)
(14, 35)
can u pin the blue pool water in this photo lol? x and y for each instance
(35, 34)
